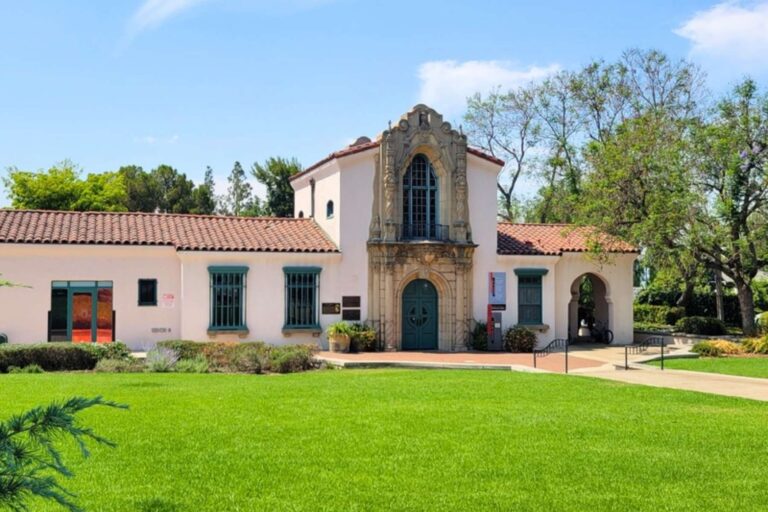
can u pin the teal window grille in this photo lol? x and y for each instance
(302, 292)
(228, 292)
(529, 295)
(420, 191)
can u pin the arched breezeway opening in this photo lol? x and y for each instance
(589, 311)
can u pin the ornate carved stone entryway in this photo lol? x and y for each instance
(420, 227)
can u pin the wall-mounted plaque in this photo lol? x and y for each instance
(351, 314)
(350, 302)
(331, 308)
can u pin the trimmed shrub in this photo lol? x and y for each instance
(292, 358)
(519, 339)
(700, 325)
(32, 368)
(660, 315)
(249, 360)
(119, 366)
(362, 338)
(161, 360)
(226, 356)
(184, 348)
(756, 345)
(198, 364)
(221, 355)
(478, 338)
(112, 350)
(717, 348)
(51, 357)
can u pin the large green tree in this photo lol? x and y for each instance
(204, 197)
(729, 225)
(239, 197)
(275, 174)
(141, 189)
(62, 188)
(58, 188)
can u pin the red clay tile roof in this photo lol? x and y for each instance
(183, 232)
(553, 239)
(351, 150)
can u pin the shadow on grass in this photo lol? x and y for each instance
(157, 505)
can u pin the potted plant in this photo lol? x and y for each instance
(339, 334)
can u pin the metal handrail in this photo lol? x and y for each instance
(551, 347)
(638, 348)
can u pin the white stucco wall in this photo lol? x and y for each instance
(354, 211)
(327, 188)
(481, 184)
(562, 271)
(265, 293)
(23, 311)
(616, 273)
(549, 296)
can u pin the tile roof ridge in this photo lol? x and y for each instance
(155, 214)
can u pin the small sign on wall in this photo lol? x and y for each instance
(497, 288)
(350, 301)
(351, 315)
(168, 300)
(331, 308)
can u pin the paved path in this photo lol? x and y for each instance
(469, 360)
(728, 385)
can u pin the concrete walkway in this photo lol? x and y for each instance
(719, 384)
(465, 360)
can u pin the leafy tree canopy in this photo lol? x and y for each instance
(275, 174)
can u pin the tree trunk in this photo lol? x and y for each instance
(747, 307)
(719, 296)
(685, 299)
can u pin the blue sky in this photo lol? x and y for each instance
(193, 83)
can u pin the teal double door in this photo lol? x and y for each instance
(419, 316)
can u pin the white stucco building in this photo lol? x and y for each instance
(400, 232)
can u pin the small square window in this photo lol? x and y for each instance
(147, 292)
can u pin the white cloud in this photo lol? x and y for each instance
(154, 12)
(730, 31)
(446, 84)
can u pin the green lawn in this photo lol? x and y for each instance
(408, 440)
(745, 366)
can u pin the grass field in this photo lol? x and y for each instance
(407, 440)
(744, 366)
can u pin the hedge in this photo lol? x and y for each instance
(51, 357)
(653, 314)
(702, 304)
(700, 325)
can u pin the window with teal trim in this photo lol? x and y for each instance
(529, 299)
(302, 290)
(228, 287)
(420, 199)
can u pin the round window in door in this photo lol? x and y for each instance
(419, 316)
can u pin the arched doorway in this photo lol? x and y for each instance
(588, 311)
(419, 316)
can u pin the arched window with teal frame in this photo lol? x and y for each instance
(420, 199)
